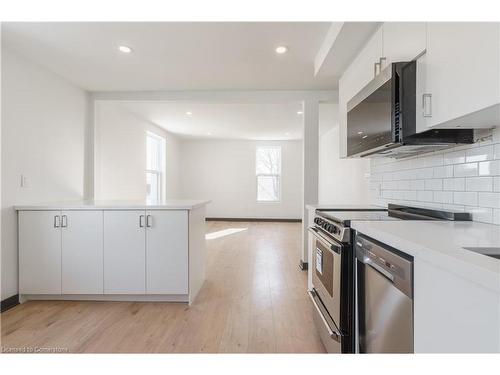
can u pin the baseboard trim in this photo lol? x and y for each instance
(107, 297)
(9, 303)
(253, 219)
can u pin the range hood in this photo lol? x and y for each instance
(381, 119)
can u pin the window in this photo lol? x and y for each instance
(155, 167)
(268, 171)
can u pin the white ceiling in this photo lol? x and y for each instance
(175, 56)
(257, 121)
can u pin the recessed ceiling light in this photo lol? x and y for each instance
(364, 136)
(124, 49)
(287, 133)
(360, 133)
(281, 49)
(189, 113)
(209, 133)
(300, 112)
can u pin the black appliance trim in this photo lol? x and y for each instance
(416, 213)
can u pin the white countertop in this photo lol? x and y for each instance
(176, 204)
(438, 242)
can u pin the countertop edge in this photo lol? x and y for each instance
(110, 206)
(426, 253)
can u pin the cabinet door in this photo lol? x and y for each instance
(423, 104)
(362, 69)
(403, 41)
(39, 252)
(124, 252)
(462, 68)
(167, 252)
(82, 252)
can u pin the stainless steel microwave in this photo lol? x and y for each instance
(381, 118)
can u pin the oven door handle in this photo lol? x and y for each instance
(330, 246)
(334, 334)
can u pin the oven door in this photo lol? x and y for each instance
(326, 273)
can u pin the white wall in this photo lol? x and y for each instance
(120, 154)
(341, 181)
(43, 127)
(224, 171)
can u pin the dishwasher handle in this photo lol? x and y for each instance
(369, 262)
(388, 262)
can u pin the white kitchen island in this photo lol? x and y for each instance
(112, 250)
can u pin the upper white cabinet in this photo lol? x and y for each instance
(167, 252)
(460, 75)
(458, 72)
(365, 66)
(124, 252)
(392, 42)
(82, 252)
(402, 41)
(40, 252)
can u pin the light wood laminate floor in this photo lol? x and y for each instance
(254, 300)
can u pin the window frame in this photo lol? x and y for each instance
(278, 175)
(161, 171)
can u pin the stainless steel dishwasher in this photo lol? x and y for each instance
(384, 284)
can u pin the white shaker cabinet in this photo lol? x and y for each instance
(112, 252)
(402, 41)
(82, 252)
(167, 252)
(461, 75)
(40, 252)
(124, 252)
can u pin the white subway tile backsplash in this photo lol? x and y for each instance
(496, 184)
(497, 150)
(465, 170)
(435, 184)
(443, 197)
(454, 157)
(489, 200)
(465, 198)
(417, 185)
(479, 154)
(433, 160)
(466, 178)
(403, 185)
(454, 184)
(484, 215)
(424, 196)
(443, 172)
(496, 216)
(423, 173)
(489, 168)
(410, 195)
(387, 194)
(479, 184)
(387, 177)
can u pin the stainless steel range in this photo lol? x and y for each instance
(332, 294)
(332, 268)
